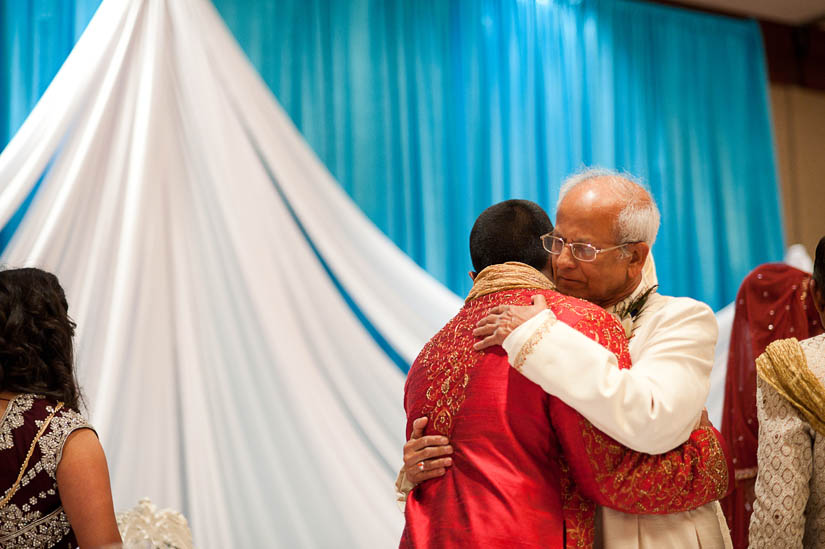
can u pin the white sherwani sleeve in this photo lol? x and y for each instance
(650, 408)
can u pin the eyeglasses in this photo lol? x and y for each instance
(580, 250)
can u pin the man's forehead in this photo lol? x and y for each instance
(577, 233)
(599, 192)
(585, 224)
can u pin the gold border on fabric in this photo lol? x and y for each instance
(784, 367)
(508, 276)
(534, 340)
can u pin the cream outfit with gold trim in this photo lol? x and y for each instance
(789, 510)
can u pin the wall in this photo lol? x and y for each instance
(799, 132)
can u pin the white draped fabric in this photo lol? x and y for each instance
(240, 322)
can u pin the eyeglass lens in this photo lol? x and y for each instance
(583, 252)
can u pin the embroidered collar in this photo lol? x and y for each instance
(507, 276)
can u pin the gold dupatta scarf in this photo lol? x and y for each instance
(784, 367)
(508, 276)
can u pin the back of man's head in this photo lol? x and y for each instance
(510, 231)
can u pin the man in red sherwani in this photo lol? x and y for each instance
(527, 470)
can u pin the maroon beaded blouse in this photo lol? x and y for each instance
(33, 517)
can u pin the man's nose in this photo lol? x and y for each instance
(565, 259)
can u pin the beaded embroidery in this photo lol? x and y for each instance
(34, 518)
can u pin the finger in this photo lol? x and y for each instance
(418, 427)
(430, 464)
(483, 331)
(418, 477)
(416, 444)
(413, 458)
(489, 341)
(426, 466)
(540, 300)
(498, 309)
(442, 463)
(489, 319)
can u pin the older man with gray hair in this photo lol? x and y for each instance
(606, 224)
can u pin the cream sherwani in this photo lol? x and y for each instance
(651, 408)
(789, 510)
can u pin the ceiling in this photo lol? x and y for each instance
(790, 12)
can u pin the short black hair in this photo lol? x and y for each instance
(510, 231)
(819, 265)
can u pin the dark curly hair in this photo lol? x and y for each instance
(36, 351)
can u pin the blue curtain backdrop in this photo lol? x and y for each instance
(429, 111)
(36, 36)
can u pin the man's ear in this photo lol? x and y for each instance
(638, 255)
(473, 275)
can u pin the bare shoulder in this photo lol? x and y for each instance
(82, 455)
(81, 440)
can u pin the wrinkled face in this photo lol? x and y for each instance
(588, 215)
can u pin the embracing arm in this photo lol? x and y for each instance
(83, 484)
(425, 457)
(697, 472)
(652, 407)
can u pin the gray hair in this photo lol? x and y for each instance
(638, 221)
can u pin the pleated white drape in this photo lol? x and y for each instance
(240, 322)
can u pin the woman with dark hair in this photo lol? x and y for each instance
(54, 481)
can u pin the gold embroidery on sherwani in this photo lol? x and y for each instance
(449, 356)
(657, 485)
(784, 367)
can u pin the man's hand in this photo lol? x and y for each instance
(503, 319)
(423, 454)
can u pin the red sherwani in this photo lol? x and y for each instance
(516, 448)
